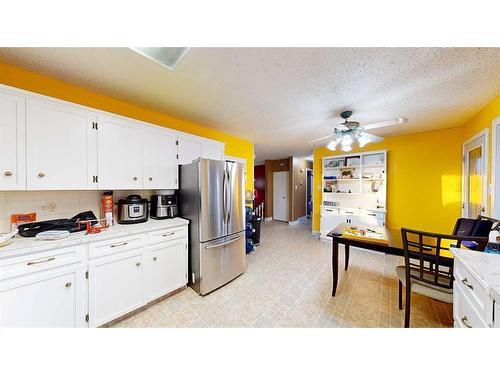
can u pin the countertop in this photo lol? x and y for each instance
(22, 245)
(380, 210)
(485, 267)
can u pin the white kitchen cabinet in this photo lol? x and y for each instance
(115, 286)
(160, 159)
(330, 218)
(12, 142)
(44, 299)
(189, 150)
(211, 150)
(61, 146)
(167, 268)
(120, 161)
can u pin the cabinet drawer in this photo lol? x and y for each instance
(479, 298)
(346, 211)
(45, 260)
(376, 215)
(116, 245)
(162, 235)
(329, 211)
(464, 313)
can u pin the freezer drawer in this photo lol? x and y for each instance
(220, 262)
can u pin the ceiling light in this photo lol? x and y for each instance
(346, 143)
(169, 57)
(332, 146)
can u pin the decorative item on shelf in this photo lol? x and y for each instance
(347, 173)
(367, 175)
(375, 186)
(353, 161)
(336, 163)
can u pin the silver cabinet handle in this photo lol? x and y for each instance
(155, 258)
(8, 173)
(135, 178)
(138, 264)
(41, 174)
(119, 244)
(371, 214)
(466, 283)
(40, 261)
(465, 321)
(168, 234)
(68, 285)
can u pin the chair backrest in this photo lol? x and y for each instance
(495, 223)
(425, 247)
(479, 227)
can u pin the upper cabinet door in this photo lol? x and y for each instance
(212, 151)
(61, 146)
(120, 154)
(160, 159)
(12, 149)
(188, 151)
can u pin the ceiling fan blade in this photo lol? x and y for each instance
(382, 124)
(320, 139)
(371, 137)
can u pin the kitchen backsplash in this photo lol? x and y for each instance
(57, 204)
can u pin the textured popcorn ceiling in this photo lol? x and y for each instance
(282, 97)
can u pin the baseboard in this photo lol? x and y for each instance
(268, 218)
(316, 235)
(293, 222)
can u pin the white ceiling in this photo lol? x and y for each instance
(282, 97)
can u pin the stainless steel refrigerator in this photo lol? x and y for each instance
(211, 197)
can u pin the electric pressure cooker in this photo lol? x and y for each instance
(132, 210)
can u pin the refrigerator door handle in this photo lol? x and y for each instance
(224, 197)
(224, 243)
(230, 195)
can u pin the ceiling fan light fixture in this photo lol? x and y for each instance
(363, 141)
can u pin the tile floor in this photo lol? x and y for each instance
(288, 284)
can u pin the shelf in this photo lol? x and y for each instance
(341, 179)
(372, 179)
(345, 193)
(374, 166)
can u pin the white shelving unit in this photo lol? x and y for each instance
(354, 190)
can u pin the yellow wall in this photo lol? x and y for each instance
(424, 173)
(423, 176)
(23, 79)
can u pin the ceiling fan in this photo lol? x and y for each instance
(347, 132)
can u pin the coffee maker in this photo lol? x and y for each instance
(163, 206)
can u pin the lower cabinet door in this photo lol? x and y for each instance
(167, 268)
(54, 298)
(115, 287)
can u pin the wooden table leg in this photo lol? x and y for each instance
(335, 265)
(346, 256)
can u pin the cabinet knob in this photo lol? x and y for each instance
(155, 258)
(41, 174)
(138, 264)
(8, 173)
(68, 285)
(135, 178)
(150, 178)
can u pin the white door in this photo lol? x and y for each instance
(188, 151)
(45, 299)
(212, 151)
(61, 146)
(120, 154)
(475, 176)
(12, 141)
(160, 159)
(168, 268)
(115, 287)
(280, 196)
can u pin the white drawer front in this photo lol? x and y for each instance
(116, 245)
(45, 260)
(464, 313)
(162, 235)
(344, 211)
(329, 211)
(478, 297)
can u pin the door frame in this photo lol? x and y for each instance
(312, 189)
(485, 133)
(495, 180)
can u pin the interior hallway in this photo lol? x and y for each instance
(288, 284)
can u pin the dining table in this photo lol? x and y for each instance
(394, 246)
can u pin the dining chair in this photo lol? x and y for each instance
(423, 272)
(479, 227)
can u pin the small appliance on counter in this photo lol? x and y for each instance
(163, 206)
(133, 209)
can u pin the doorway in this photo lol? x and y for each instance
(475, 176)
(280, 196)
(309, 192)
